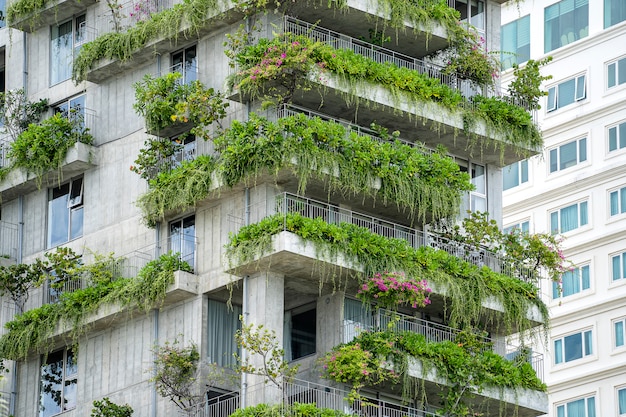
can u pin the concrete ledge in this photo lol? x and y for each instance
(79, 158)
(52, 14)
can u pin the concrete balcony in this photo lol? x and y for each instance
(79, 159)
(52, 13)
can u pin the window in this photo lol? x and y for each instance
(618, 263)
(65, 40)
(572, 282)
(474, 9)
(565, 22)
(566, 93)
(617, 137)
(569, 218)
(572, 347)
(614, 12)
(184, 149)
(478, 197)
(621, 401)
(515, 42)
(524, 227)
(65, 212)
(616, 73)
(568, 155)
(73, 109)
(186, 62)
(223, 323)
(617, 201)
(57, 390)
(584, 407)
(515, 174)
(618, 328)
(357, 317)
(300, 332)
(183, 239)
(3, 14)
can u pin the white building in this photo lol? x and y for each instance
(301, 286)
(576, 186)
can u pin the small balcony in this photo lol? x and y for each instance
(128, 15)
(8, 243)
(52, 13)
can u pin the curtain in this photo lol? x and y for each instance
(619, 337)
(569, 218)
(621, 398)
(617, 267)
(614, 203)
(585, 277)
(558, 351)
(576, 408)
(61, 51)
(357, 317)
(571, 283)
(223, 322)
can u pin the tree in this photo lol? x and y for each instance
(107, 408)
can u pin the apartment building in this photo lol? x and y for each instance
(242, 201)
(575, 187)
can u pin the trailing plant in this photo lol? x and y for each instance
(265, 74)
(33, 329)
(526, 84)
(295, 409)
(16, 281)
(466, 286)
(42, 147)
(261, 342)
(391, 289)
(417, 181)
(467, 363)
(165, 100)
(17, 112)
(107, 408)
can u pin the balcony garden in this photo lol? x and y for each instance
(101, 283)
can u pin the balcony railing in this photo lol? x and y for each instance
(290, 203)
(304, 392)
(435, 332)
(128, 15)
(8, 240)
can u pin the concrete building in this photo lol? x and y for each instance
(575, 187)
(84, 57)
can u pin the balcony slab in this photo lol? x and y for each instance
(53, 13)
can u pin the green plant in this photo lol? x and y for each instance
(176, 373)
(43, 147)
(17, 112)
(107, 408)
(390, 289)
(526, 85)
(295, 410)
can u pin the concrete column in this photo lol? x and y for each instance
(266, 306)
(329, 322)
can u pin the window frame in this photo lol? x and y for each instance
(522, 170)
(289, 330)
(179, 241)
(509, 58)
(620, 200)
(563, 38)
(583, 283)
(77, 39)
(183, 66)
(553, 92)
(66, 377)
(586, 348)
(589, 405)
(620, 130)
(228, 317)
(620, 322)
(74, 204)
(523, 226)
(621, 258)
(579, 214)
(581, 154)
(617, 63)
(607, 21)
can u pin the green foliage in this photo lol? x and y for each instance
(467, 364)
(32, 330)
(22, 8)
(421, 183)
(526, 86)
(391, 289)
(43, 146)
(17, 280)
(107, 408)
(165, 100)
(259, 341)
(287, 410)
(176, 373)
(17, 113)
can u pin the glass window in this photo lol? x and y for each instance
(568, 155)
(357, 317)
(616, 72)
(223, 323)
(3, 14)
(618, 266)
(515, 42)
(572, 282)
(621, 401)
(474, 10)
(614, 12)
(65, 41)
(619, 328)
(617, 137)
(300, 332)
(617, 201)
(572, 347)
(566, 93)
(65, 212)
(524, 227)
(515, 174)
(565, 22)
(57, 390)
(73, 109)
(184, 149)
(478, 197)
(186, 62)
(584, 407)
(183, 239)
(569, 218)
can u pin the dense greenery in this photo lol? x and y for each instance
(107, 408)
(273, 70)
(32, 331)
(283, 410)
(467, 364)
(410, 177)
(176, 373)
(466, 286)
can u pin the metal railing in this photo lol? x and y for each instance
(128, 15)
(434, 332)
(291, 203)
(5, 145)
(8, 240)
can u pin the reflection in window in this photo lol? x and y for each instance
(565, 22)
(614, 13)
(515, 42)
(58, 383)
(65, 212)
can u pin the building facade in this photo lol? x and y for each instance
(276, 212)
(574, 188)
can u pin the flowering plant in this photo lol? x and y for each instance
(388, 289)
